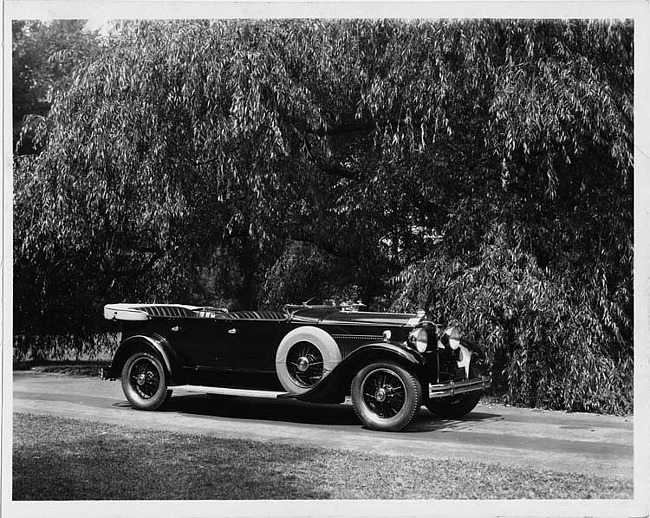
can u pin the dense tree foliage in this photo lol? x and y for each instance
(44, 55)
(481, 170)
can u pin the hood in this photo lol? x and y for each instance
(334, 316)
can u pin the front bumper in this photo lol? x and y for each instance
(453, 388)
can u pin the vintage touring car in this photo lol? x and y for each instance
(390, 364)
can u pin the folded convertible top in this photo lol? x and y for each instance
(135, 312)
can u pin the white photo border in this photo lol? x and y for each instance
(98, 11)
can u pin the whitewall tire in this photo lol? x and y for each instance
(305, 356)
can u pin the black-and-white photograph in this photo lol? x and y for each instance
(322, 263)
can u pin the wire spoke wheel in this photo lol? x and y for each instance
(144, 378)
(386, 396)
(144, 381)
(305, 364)
(306, 355)
(384, 393)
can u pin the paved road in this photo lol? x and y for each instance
(582, 443)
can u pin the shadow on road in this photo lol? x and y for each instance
(291, 411)
(428, 422)
(263, 409)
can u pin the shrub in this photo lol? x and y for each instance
(549, 337)
(40, 348)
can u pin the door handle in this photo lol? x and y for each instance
(232, 331)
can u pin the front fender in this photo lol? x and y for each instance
(385, 350)
(475, 348)
(334, 387)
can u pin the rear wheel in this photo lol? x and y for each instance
(386, 396)
(144, 381)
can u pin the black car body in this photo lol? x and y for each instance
(390, 364)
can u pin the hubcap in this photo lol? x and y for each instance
(380, 395)
(305, 364)
(144, 378)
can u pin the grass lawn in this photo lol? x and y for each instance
(67, 459)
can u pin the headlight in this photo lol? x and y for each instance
(453, 335)
(419, 339)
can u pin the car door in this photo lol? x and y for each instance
(205, 343)
(230, 343)
(254, 342)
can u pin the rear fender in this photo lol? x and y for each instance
(334, 387)
(154, 343)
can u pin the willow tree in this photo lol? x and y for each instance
(443, 155)
(537, 255)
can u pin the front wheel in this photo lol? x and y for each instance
(144, 381)
(454, 407)
(458, 406)
(386, 396)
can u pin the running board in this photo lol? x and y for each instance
(224, 391)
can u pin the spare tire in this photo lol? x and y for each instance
(305, 356)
